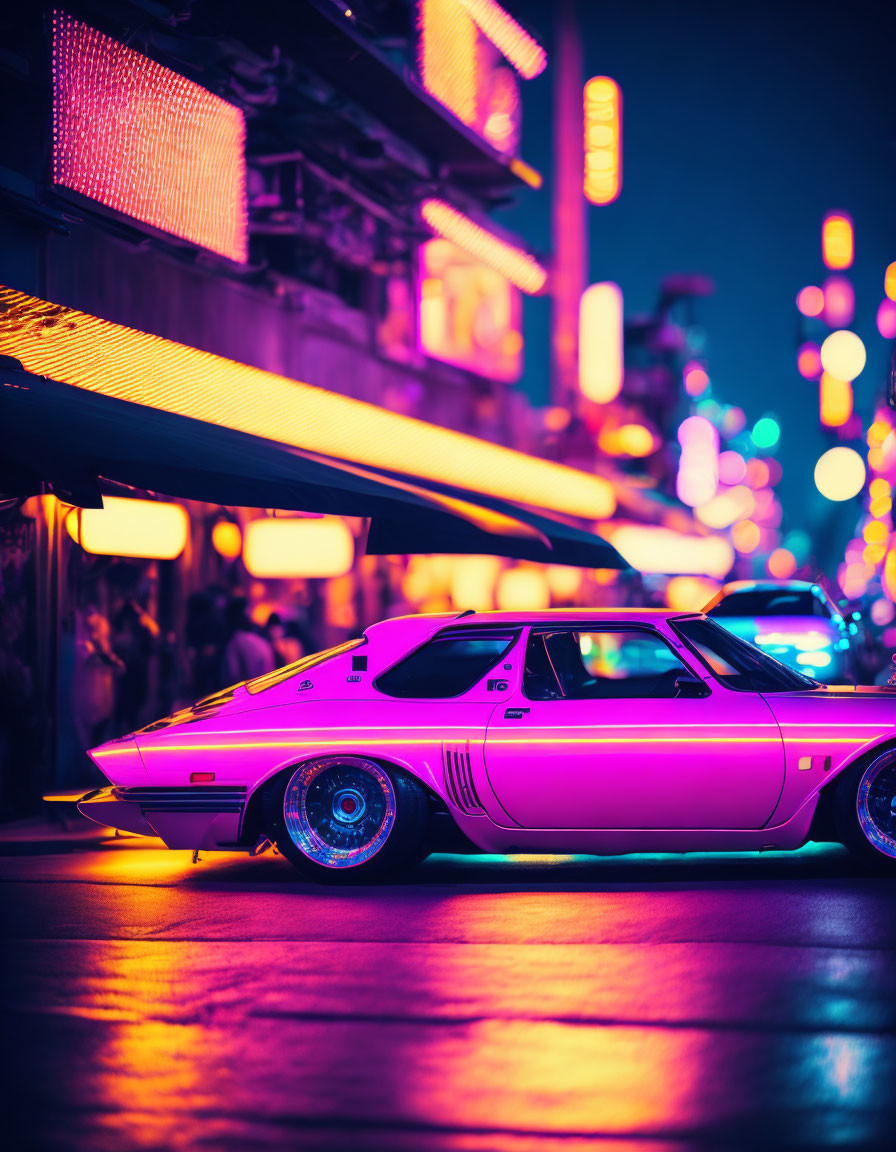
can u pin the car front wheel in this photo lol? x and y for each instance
(347, 819)
(865, 811)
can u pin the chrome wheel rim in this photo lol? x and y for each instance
(876, 804)
(339, 812)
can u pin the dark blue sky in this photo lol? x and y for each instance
(742, 126)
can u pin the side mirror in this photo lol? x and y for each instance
(689, 685)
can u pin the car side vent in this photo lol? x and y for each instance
(459, 779)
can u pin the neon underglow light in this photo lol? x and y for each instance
(147, 142)
(601, 364)
(112, 360)
(603, 140)
(837, 241)
(512, 41)
(518, 266)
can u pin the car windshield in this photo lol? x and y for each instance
(736, 663)
(770, 602)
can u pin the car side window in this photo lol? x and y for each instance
(601, 665)
(447, 665)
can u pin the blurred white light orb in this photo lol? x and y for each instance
(843, 355)
(840, 473)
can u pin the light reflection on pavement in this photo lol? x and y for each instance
(658, 1002)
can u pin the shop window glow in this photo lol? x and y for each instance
(112, 360)
(518, 266)
(146, 141)
(837, 241)
(840, 473)
(603, 140)
(290, 548)
(600, 342)
(146, 529)
(843, 355)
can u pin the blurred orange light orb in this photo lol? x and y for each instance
(745, 537)
(227, 540)
(781, 564)
(810, 300)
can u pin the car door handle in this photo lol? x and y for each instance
(514, 713)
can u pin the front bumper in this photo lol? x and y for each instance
(207, 817)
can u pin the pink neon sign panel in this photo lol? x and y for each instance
(147, 142)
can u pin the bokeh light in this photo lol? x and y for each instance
(523, 590)
(882, 612)
(766, 432)
(746, 537)
(600, 342)
(698, 468)
(696, 379)
(886, 319)
(732, 467)
(781, 564)
(839, 302)
(603, 140)
(834, 400)
(837, 240)
(808, 360)
(810, 300)
(890, 281)
(298, 547)
(758, 473)
(840, 473)
(690, 593)
(843, 355)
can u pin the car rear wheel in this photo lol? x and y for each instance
(347, 819)
(865, 811)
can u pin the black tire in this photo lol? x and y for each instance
(384, 832)
(865, 811)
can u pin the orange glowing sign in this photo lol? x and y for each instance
(601, 361)
(517, 265)
(603, 140)
(112, 360)
(147, 142)
(514, 42)
(469, 314)
(147, 529)
(837, 240)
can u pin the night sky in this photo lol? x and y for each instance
(742, 126)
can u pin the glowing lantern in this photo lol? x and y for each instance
(808, 360)
(278, 549)
(840, 473)
(600, 342)
(123, 527)
(518, 266)
(886, 319)
(522, 590)
(781, 564)
(603, 140)
(837, 241)
(810, 300)
(843, 355)
(227, 540)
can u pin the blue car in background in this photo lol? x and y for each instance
(796, 622)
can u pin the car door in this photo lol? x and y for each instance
(609, 728)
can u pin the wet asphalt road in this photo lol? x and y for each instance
(658, 1003)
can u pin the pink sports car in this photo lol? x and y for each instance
(570, 731)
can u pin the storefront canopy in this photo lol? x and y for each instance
(74, 439)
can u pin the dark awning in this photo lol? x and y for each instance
(71, 439)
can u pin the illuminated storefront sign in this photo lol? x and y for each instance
(76, 348)
(517, 265)
(603, 140)
(290, 548)
(147, 142)
(462, 49)
(469, 314)
(147, 529)
(601, 342)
